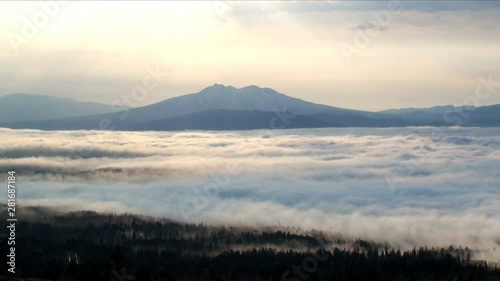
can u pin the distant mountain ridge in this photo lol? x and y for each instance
(230, 98)
(28, 107)
(220, 107)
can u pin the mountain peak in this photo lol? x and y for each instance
(21, 107)
(24, 95)
(217, 88)
(250, 89)
(217, 85)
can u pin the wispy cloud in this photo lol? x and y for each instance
(368, 26)
(357, 6)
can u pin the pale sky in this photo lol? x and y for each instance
(415, 54)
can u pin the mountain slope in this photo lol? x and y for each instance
(440, 109)
(442, 115)
(449, 115)
(484, 116)
(217, 119)
(351, 120)
(230, 98)
(220, 97)
(221, 107)
(28, 107)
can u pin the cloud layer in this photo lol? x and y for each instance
(409, 187)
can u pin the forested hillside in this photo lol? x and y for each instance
(92, 246)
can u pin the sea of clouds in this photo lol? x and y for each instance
(406, 186)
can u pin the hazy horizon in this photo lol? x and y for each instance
(385, 54)
(132, 105)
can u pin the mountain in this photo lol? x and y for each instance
(220, 107)
(449, 115)
(29, 107)
(218, 119)
(437, 114)
(440, 109)
(352, 120)
(220, 97)
(485, 116)
(230, 98)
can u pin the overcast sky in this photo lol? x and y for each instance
(360, 55)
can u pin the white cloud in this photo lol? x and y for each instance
(445, 189)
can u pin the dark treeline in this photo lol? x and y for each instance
(92, 246)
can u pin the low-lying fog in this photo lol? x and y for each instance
(409, 187)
